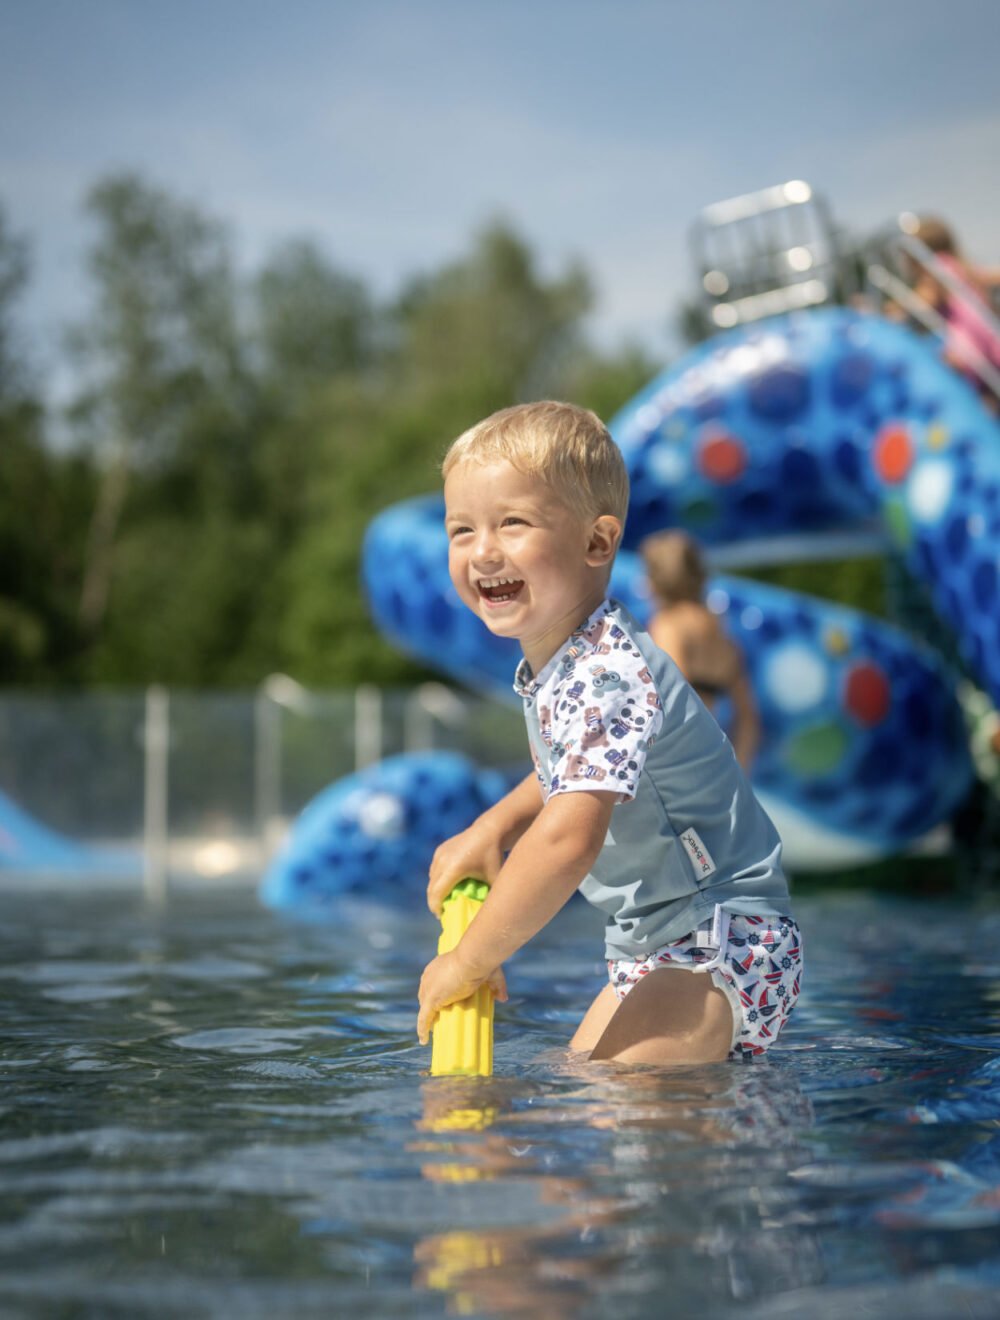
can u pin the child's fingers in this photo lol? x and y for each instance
(438, 890)
(465, 856)
(425, 1024)
(497, 983)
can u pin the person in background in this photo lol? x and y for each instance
(692, 636)
(970, 337)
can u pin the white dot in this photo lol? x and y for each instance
(381, 816)
(668, 464)
(752, 617)
(717, 600)
(929, 490)
(796, 678)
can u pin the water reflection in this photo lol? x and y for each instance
(665, 1150)
(239, 1106)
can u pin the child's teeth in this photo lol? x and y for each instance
(493, 587)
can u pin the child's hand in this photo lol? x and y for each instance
(445, 982)
(474, 854)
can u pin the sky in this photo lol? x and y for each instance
(390, 131)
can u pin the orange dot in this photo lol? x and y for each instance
(893, 453)
(867, 694)
(722, 457)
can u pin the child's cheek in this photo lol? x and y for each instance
(456, 571)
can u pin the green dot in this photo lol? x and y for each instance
(698, 513)
(817, 750)
(897, 521)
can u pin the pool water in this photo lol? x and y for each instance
(214, 1111)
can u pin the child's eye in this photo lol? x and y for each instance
(512, 520)
(457, 531)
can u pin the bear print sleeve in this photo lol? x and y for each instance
(605, 717)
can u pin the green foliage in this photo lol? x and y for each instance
(857, 582)
(314, 322)
(232, 436)
(42, 499)
(13, 277)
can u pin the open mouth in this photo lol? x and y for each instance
(499, 590)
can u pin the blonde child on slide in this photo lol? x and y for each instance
(637, 798)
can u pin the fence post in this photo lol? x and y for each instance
(156, 747)
(427, 706)
(367, 725)
(267, 764)
(276, 694)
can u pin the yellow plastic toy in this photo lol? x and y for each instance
(462, 1041)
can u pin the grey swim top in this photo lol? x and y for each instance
(611, 711)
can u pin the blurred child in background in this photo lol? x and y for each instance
(970, 336)
(692, 636)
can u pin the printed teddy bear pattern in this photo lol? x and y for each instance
(602, 712)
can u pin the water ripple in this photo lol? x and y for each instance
(277, 1147)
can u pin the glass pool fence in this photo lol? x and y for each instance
(196, 786)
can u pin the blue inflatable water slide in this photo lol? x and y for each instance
(814, 423)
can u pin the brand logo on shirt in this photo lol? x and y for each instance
(698, 853)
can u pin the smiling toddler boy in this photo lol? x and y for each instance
(636, 799)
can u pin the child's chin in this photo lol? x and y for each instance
(501, 624)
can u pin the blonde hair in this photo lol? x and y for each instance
(674, 566)
(567, 447)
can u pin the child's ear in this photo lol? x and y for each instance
(604, 537)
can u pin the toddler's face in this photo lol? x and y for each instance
(519, 558)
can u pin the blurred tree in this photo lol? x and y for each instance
(234, 437)
(160, 355)
(13, 278)
(40, 492)
(489, 328)
(315, 321)
(316, 348)
(605, 382)
(692, 322)
(484, 332)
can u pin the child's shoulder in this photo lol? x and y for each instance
(607, 637)
(603, 667)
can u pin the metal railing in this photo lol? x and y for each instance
(767, 252)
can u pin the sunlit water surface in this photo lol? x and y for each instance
(218, 1112)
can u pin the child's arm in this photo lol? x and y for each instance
(477, 853)
(544, 868)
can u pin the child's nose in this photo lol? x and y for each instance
(486, 549)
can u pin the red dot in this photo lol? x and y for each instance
(722, 458)
(866, 694)
(893, 453)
